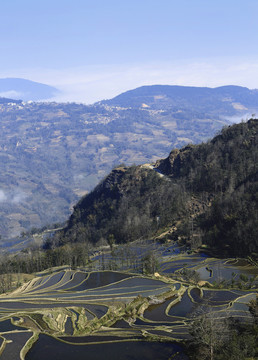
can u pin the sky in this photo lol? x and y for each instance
(95, 49)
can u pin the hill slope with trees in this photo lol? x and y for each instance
(206, 193)
(51, 153)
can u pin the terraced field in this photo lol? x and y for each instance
(117, 313)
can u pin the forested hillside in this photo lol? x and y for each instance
(226, 168)
(51, 153)
(207, 194)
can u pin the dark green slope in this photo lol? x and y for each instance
(130, 203)
(221, 164)
(209, 192)
(225, 168)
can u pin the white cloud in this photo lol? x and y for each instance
(3, 196)
(18, 197)
(78, 177)
(12, 94)
(93, 83)
(15, 196)
(90, 85)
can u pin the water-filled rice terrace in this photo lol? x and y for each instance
(64, 313)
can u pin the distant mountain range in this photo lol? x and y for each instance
(53, 153)
(22, 89)
(220, 101)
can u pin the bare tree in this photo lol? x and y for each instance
(208, 334)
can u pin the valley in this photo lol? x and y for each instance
(51, 153)
(159, 260)
(128, 180)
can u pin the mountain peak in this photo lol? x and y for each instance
(17, 88)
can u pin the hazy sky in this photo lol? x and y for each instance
(95, 49)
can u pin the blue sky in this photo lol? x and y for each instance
(95, 49)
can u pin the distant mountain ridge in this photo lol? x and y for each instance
(53, 153)
(4, 100)
(22, 89)
(225, 100)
